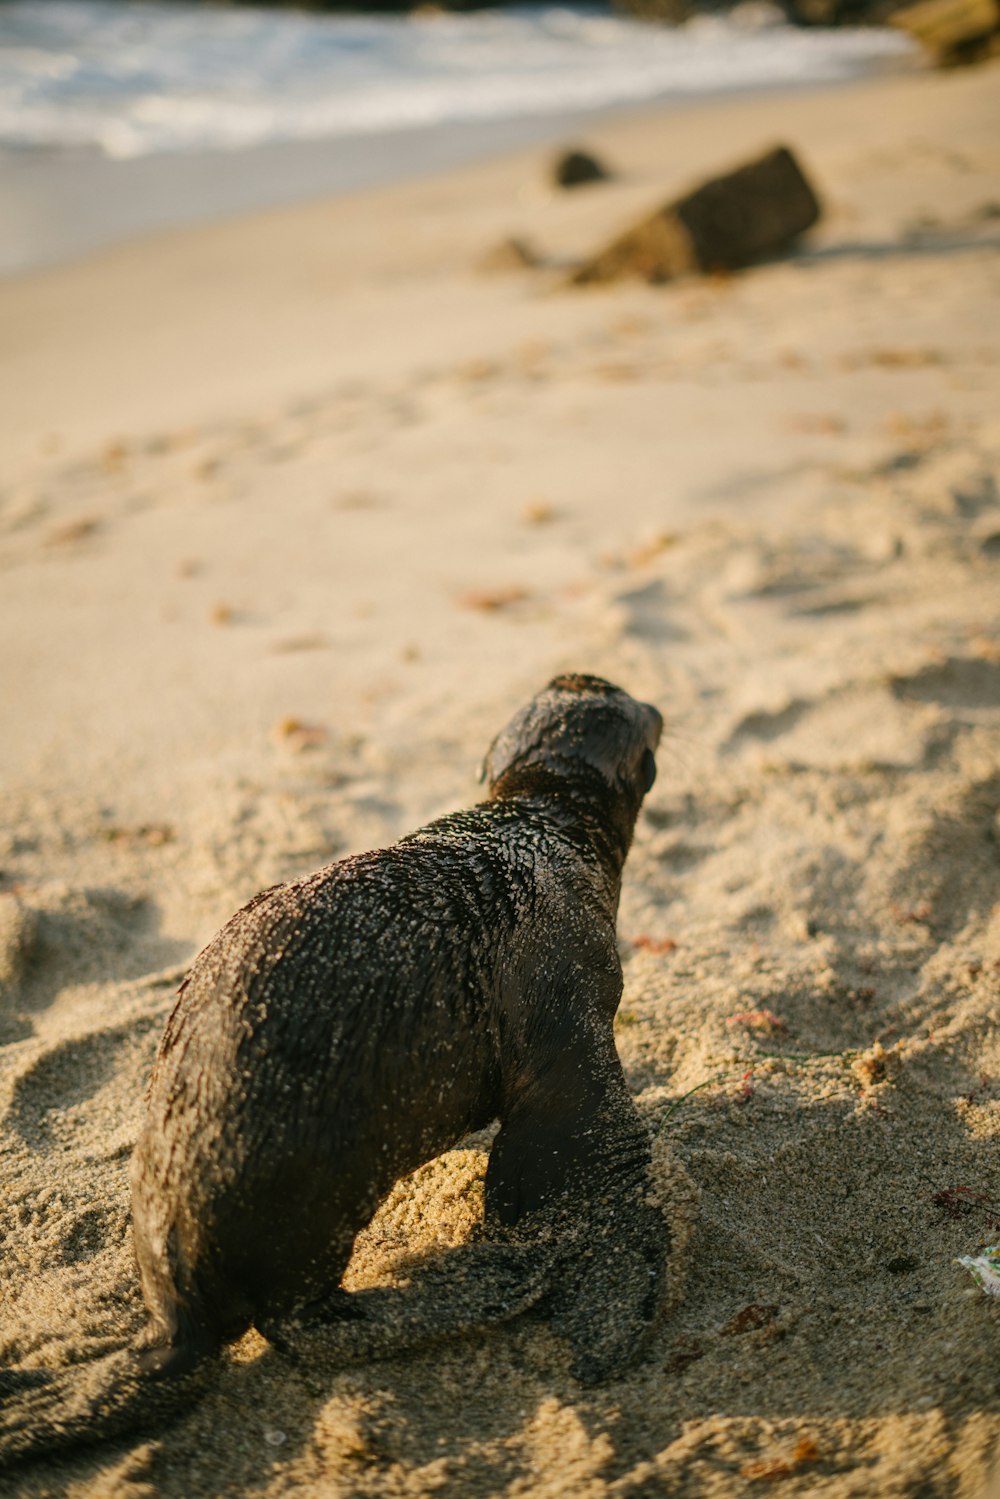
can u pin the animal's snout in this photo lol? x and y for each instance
(655, 718)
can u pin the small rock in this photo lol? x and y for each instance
(575, 168)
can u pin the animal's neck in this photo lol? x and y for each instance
(585, 808)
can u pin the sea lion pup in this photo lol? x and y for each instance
(345, 1028)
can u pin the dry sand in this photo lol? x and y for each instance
(296, 511)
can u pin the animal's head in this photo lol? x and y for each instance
(578, 722)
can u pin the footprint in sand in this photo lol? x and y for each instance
(677, 855)
(946, 865)
(824, 608)
(857, 727)
(85, 1093)
(959, 683)
(68, 1235)
(18, 941)
(71, 936)
(645, 612)
(20, 510)
(764, 725)
(56, 1229)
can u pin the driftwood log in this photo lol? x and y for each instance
(727, 223)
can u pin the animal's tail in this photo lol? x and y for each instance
(44, 1412)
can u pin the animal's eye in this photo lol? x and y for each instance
(647, 769)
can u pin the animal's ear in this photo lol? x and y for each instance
(515, 742)
(647, 769)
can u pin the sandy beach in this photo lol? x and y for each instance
(296, 510)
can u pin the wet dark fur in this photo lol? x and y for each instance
(343, 1029)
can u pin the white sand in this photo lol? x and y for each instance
(296, 511)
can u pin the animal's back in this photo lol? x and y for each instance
(320, 1005)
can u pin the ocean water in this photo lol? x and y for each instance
(132, 80)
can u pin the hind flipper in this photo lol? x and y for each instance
(473, 1286)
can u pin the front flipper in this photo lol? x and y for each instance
(611, 1286)
(573, 1141)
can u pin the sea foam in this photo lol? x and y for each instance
(137, 79)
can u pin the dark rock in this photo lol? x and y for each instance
(727, 223)
(575, 168)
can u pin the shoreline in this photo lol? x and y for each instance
(352, 77)
(345, 248)
(60, 206)
(67, 206)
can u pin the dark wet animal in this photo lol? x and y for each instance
(343, 1029)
